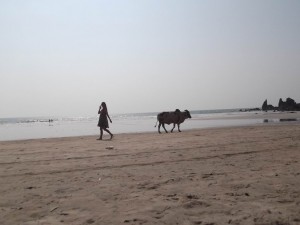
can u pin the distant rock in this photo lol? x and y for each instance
(266, 107)
(250, 110)
(288, 105)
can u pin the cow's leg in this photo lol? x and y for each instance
(159, 127)
(178, 127)
(164, 127)
(173, 127)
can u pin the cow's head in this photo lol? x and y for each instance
(188, 115)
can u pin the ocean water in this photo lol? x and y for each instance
(41, 127)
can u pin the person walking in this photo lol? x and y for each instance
(103, 122)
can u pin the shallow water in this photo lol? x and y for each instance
(32, 128)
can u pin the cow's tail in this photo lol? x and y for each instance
(156, 123)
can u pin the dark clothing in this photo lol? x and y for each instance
(103, 122)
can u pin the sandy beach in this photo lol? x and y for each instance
(234, 175)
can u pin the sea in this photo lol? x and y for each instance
(50, 127)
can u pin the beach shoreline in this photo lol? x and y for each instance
(229, 175)
(138, 124)
(270, 122)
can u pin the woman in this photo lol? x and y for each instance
(103, 123)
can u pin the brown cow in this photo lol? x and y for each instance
(176, 117)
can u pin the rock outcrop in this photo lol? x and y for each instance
(266, 107)
(288, 105)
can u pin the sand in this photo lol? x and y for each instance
(236, 175)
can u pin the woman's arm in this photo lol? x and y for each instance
(109, 117)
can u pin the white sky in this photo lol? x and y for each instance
(64, 57)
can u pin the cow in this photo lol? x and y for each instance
(176, 117)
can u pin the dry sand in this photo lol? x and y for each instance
(237, 175)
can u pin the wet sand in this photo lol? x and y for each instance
(234, 175)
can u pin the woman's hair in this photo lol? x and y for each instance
(103, 104)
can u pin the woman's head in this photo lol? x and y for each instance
(103, 104)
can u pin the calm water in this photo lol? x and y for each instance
(32, 128)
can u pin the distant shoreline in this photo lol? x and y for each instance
(261, 115)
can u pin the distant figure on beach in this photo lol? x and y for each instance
(50, 122)
(103, 122)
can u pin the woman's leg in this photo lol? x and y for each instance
(101, 134)
(111, 135)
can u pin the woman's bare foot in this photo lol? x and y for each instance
(111, 136)
(99, 139)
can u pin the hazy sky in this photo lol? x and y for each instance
(64, 57)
